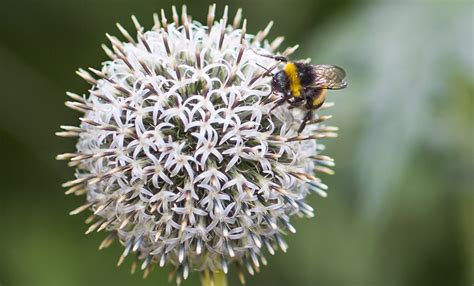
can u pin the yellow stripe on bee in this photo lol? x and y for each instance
(291, 71)
(319, 99)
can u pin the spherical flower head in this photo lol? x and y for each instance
(180, 153)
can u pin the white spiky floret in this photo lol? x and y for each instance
(180, 154)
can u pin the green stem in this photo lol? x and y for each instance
(213, 278)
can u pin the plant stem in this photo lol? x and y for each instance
(213, 278)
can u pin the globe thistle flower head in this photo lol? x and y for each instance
(180, 154)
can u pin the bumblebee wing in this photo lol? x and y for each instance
(329, 77)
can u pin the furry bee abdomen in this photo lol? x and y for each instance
(319, 98)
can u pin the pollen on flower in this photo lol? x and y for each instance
(180, 154)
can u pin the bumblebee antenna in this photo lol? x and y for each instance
(268, 71)
(276, 58)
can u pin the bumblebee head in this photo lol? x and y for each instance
(280, 82)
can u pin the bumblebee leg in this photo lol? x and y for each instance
(295, 104)
(307, 117)
(266, 98)
(297, 101)
(279, 102)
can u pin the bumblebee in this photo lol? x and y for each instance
(305, 84)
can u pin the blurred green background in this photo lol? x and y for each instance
(401, 206)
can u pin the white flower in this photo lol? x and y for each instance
(178, 153)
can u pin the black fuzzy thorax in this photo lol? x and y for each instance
(306, 73)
